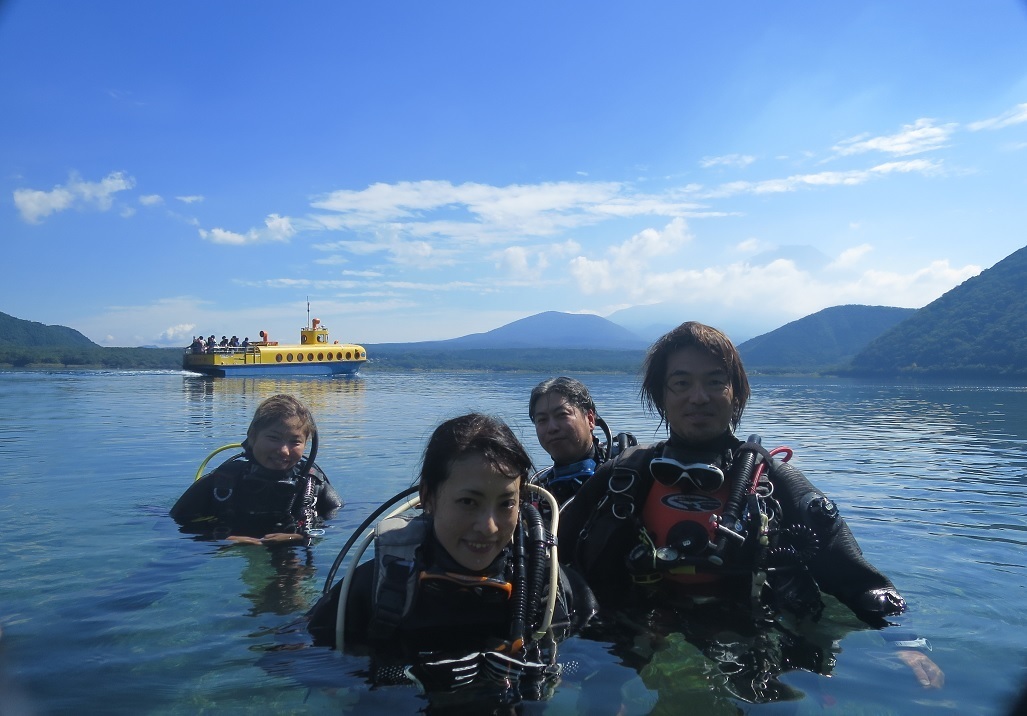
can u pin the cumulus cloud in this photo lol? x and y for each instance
(631, 267)
(192, 199)
(1016, 115)
(276, 228)
(181, 333)
(35, 205)
(921, 136)
(151, 200)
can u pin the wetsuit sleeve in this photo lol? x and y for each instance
(195, 503)
(839, 567)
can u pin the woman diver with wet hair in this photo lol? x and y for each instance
(467, 592)
(270, 494)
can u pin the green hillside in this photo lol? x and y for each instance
(823, 341)
(30, 334)
(977, 329)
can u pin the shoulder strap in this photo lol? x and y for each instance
(397, 540)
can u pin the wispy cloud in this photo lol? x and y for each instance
(921, 136)
(822, 179)
(1016, 115)
(728, 160)
(34, 204)
(191, 199)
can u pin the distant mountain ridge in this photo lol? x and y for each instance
(829, 338)
(31, 334)
(550, 329)
(978, 329)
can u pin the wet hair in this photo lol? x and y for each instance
(278, 409)
(573, 390)
(692, 335)
(472, 434)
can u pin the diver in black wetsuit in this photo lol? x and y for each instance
(704, 518)
(269, 495)
(457, 598)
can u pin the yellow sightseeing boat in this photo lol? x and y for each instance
(315, 354)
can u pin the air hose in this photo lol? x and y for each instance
(742, 473)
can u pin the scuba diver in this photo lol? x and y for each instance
(565, 416)
(705, 518)
(466, 600)
(270, 494)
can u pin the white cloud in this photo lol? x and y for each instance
(851, 256)
(181, 333)
(921, 136)
(839, 178)
(191, 199)
(34, 204)
(728, 160)
(1016, 115)
(151, 200)
(276, 228)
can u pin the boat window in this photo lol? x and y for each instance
(278, 357)
(288, 357)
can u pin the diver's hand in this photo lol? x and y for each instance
(926, 671)
(243, 540)
(282, 538)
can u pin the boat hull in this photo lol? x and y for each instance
(277, 360)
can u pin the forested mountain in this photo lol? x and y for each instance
(824, 340)
(978, 328)
(30, 334)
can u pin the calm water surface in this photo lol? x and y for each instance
(106, 608)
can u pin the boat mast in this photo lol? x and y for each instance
(308, 312)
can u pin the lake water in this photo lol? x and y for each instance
(106, 608)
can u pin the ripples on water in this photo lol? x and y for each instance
(106, 608)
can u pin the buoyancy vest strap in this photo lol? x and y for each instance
(395, 572)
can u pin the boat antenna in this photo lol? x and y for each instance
(308, 311)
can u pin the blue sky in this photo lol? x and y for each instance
(427, 170)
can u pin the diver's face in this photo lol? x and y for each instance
(475, 511)
(280, 445)
(564, 430)
(697, 394)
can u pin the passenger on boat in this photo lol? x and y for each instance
(270, 494)
(197, 346)
(565, 416)
(464, 595)
(245, 342)
(704, 515)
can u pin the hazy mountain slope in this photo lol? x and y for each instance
(826, 339)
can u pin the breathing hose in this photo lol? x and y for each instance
(230, 446)
(360, 530)
(741, 482)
